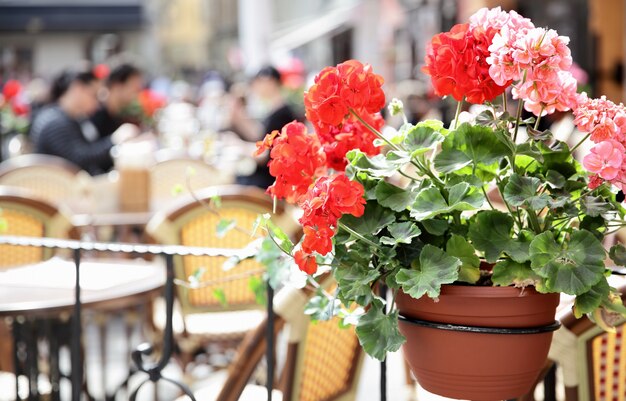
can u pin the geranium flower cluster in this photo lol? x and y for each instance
(343, 105)
(330, 198)
(536, 58)
(456, 62)
(336, 103)
(605, 122)
(11, 91)
(295, 160)
(338, 141)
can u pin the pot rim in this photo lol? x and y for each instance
(482, 330)
(489, 291)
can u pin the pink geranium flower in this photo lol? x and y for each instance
(605, 159)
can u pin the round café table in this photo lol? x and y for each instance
(39, 300)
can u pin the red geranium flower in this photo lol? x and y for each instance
(457, 63)
(11, 89)
(305, 262)
(336, 142)
(150, 102)
(350, 86)
(296, 160)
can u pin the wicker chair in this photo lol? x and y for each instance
(593, 361)
(323, 360)
(50, 178)
(204, 318)
(27, 216)
(169, 173)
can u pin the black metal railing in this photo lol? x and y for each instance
(142, 364)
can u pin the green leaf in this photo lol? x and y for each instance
(530, 150)
(435, 269)
(591, 300)
(618, 254)
(470, 144)
(224, 226)
(374, 219)
(220, 296)
(398, 158)
(277, 263)
(378, 333)
(572, 268)
(491, 233)
(522, 191)
(217, 201)
(458, 247)
(595, 205)
(196, 277)
(395, 198)
(403, 232)
(355, 276)
(321, 308)
(430, 202)
(258, 287)
(555, 179)
(420, 139)
(279, 236)
(508, 272)
(435, 226)
(375, 166)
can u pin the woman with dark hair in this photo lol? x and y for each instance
(57, 129)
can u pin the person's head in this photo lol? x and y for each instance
(266, 83)
(124, 83)
(76, 91)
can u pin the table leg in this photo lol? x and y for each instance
(32, 360)
(55, 376)
(17, 363)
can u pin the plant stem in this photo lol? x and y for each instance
(359, 236)
(520, 106)
(538, 119)
(571, 151)
(374, 130)
(487, 197)
(504, 105)
(408, 176)
(534, 221)
(458, 111)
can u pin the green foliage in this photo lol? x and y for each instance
(431, 202)
(491, 232)
(434, 269)
(572, 267)
(376, 325)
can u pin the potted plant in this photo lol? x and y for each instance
(474, 231)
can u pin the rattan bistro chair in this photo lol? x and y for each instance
(26, 216)
(168, 174)
(205, 319)
(50, 178)
(593, 361)
(323, 360)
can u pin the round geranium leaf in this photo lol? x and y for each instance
(573, 267)
(435, 269)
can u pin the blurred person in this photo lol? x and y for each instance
(124, 83)
(57, 128)
(268, 91)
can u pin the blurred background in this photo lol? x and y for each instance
(185, 39)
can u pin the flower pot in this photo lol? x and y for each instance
(478, 343)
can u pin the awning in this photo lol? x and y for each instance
(38, 18)
(303, 33)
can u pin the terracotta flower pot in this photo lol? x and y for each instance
(498, 361)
